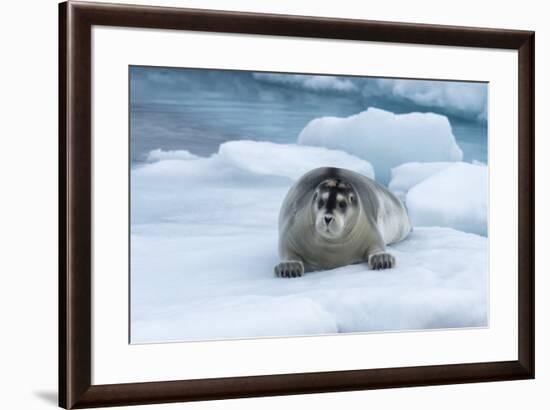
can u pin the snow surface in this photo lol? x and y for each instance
(159, 155)
(405, 176)
(290, 160)
(386, 139)
(455, 197)
(204, 244)
(458, 98)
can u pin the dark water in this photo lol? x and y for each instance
(201, 126)
(198, 109)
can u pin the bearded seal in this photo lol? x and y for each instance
(334, 217)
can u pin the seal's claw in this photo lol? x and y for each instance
(381, 260)
(289, 269)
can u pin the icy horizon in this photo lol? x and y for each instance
(199, 109)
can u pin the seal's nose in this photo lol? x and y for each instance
(328, 218)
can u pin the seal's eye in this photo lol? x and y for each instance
(342, 204)
(321, 203)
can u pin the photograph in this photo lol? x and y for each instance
(267, 204)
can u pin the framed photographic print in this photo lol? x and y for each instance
(257, 204)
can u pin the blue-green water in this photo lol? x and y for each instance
(197, 110)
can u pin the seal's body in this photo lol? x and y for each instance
(335, 217)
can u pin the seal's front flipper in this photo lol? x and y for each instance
(289, 269)
(382, 260)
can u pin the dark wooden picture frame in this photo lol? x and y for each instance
(75, 195)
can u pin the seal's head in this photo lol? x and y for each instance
(334, 208)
